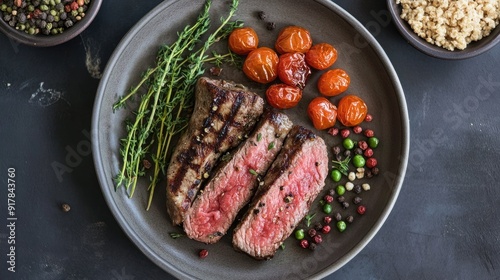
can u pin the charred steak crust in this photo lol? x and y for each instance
(223, 114)
(236, 179)
(290, 186)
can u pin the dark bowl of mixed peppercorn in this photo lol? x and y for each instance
(46, 23)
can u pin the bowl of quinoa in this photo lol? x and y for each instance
(448, 29)
(45, 23)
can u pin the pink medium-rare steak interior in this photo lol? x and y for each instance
(290, 186)
(223, 114)
(233, 185)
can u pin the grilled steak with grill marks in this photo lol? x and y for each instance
(233, 185)
(290, 186)
(223, 114)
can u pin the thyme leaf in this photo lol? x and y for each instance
(342, 166)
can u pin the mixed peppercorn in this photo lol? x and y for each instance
(353, 161)
(48, 17)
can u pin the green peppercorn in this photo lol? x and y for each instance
(299, 234)
(336, 175)
(327, 208)
(373, 142)
(340, 190)
(358, 161)
(341, 226)
(348, 143)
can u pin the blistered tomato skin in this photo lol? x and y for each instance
(333, 82)
(321, 56)
(293, 39)
(322, 113)
(293, 69)
(243, 40)
(283, 96)
(261, 65)
(352, 110)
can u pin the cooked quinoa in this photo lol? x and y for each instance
(451, 24)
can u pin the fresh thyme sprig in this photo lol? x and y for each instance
(343, 165)
(162, 110)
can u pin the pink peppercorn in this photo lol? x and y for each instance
(369, 133)
(318, 239)
(361, 209)
(328, 198)
(327, 220)
(203, 253)
(357, 129)
(363, 145)
(368, 118)
(74, 6)
(368, 153)
(326, 229)
(333, 131)
(304, 243)
(371, 162)
(345, 133)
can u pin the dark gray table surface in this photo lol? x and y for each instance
(444, 225)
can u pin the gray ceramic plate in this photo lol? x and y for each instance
(473, 49)
(372, 77)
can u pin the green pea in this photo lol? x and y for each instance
(348, 143)
(299, 234)
(336, 175)
(358, 161)
(373, 142)
(327, 208)
(341, 226)
(340, 190)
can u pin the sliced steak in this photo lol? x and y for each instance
(235, 181)
(223, 114)
(290, 186)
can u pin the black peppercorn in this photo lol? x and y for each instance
(318, 226)
(262, 15)
(349, 219)
(345, 204)
(357, 200)
(336, 150)
(338, 217)
(357, 189)
(271, 26)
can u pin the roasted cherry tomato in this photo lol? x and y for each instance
(293, 39)
(321, 56)
(322, 113)
(283, 96)
(333, 82)
(352, 110)
(293, 69)
(243, 40)
(261, 65)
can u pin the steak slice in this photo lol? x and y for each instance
(223, 114)
(233, 185)
(290, 186)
